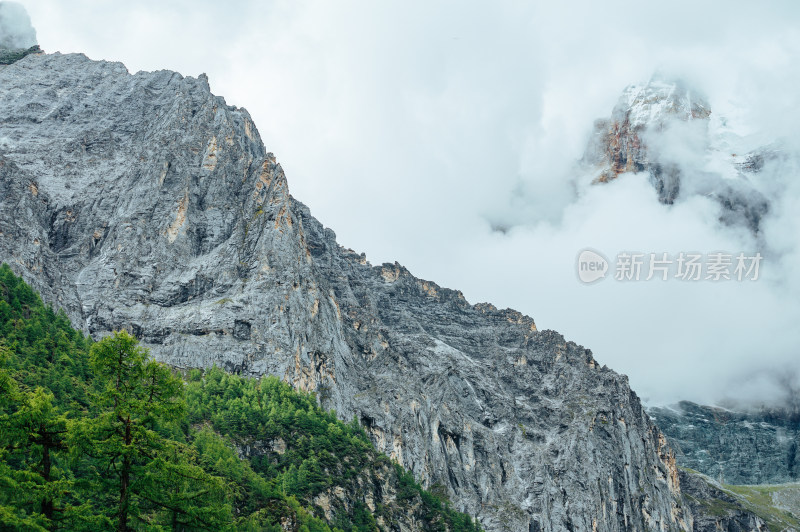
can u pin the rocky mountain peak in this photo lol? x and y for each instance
(649, 122)
(620, 144)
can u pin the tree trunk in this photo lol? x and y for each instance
(125, 477)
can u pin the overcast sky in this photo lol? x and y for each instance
(414, 128)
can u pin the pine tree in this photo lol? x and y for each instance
(18, 484)
(39, 430)
(126, 443)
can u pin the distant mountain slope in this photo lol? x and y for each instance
(719, 506)
(757, 447)
(145, 202)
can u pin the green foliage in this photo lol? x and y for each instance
(47, 351)
(9, 56)
(324, 452)
(99, 436)
(126, 448)
(436, 507)
(305, 451)
(41, 371)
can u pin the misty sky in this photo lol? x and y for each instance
(414, 128)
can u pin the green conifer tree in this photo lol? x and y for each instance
(154, 479)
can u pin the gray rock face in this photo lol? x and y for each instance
(759, 447)
(145, 202)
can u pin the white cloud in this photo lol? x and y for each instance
(15, 26)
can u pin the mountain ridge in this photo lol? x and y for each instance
(143, 202)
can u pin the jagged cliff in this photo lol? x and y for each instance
(145, 202)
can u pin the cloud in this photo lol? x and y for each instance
(15, 26)
(418, 130)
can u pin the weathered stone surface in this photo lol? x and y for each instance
(735, 447)
(145, 202)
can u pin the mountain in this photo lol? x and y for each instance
(664, 129)
(746, 459)
(724, 507)
(737, 468)
(619, 144)
(143, 202)
(759, 446)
